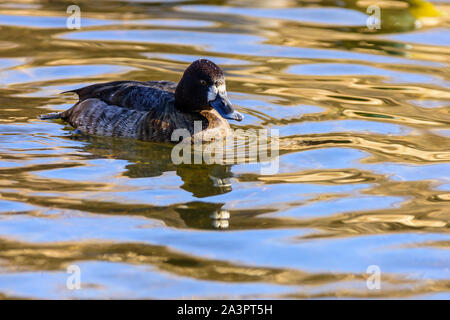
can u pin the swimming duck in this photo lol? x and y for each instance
(152, 110)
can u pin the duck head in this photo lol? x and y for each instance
(202, 87)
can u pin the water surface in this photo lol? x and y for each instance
(364, 175)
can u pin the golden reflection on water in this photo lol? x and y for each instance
(364, 151)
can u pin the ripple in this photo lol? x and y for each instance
(56, 72)
(323, 16)
(363, 159)
(438, 37)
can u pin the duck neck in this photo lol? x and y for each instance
(180, 102)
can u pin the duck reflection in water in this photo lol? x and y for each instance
(154, 159)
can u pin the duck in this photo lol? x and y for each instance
(153, 110)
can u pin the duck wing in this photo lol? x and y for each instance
(135, 95)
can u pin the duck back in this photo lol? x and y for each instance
(136, 95)
(132, 109)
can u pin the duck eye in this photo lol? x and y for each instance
(203, 82)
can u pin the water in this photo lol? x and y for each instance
(363, 117)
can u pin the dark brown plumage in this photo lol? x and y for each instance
(152, 110)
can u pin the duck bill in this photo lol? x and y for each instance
(225, 109)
